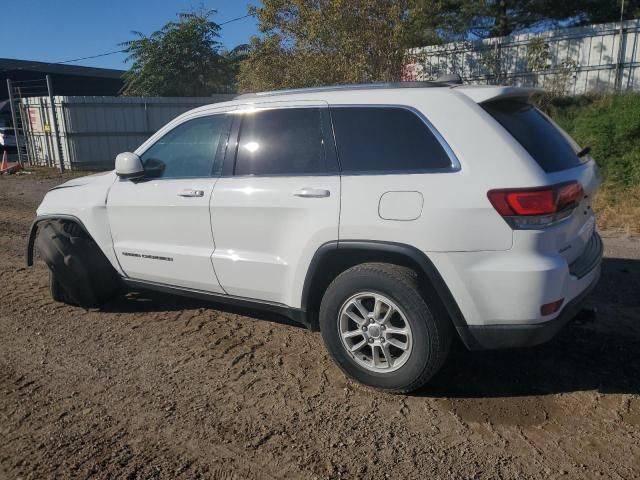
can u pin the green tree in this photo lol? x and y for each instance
(181, 59)
(462, 19)
(324, 42)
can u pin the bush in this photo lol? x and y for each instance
(610, 125)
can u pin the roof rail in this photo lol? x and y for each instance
(447, 81)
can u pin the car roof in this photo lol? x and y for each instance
(338, 88)
(356, 93)
(371, 93)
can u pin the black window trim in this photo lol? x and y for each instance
(222, 154)
(328, 141)
(455, 163)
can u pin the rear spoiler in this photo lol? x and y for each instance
(488, 93)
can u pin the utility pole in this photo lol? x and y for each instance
(54, 125)
(621, 45)
(14, 119)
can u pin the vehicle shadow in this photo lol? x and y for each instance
(603, 356)
(148, 301)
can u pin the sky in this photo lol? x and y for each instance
(58, 30)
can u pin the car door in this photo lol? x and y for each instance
(161, 224)
(277, 202)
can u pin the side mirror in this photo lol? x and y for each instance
(128, 165)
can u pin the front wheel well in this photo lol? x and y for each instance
(71, 224)
(80, 272)
(333, 259)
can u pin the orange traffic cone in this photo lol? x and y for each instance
(6, 167)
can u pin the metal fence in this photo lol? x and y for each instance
(17, 92)
(595, 57)
(91, 131)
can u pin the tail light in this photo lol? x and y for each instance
(524, 208)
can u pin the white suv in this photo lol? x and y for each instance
(391, 217)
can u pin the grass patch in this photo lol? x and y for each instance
(618, 208)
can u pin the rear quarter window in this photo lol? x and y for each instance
(547, 144)
(382, 140)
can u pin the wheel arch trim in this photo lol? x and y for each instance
(409, 252)
(33, 231)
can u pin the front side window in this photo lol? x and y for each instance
(287, 141)
(192, 149)
(386, 139)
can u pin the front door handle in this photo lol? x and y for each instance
(191, 193)
(312, 193)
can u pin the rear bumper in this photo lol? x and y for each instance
(493, 337)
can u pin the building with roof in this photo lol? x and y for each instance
(66, 79)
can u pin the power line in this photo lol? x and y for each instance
(236, 19)
(123, 51)
(92, 56)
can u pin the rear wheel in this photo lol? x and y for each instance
(80, 274)
(379, 329)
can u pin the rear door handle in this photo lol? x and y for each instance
(191, 193)
(312, 193)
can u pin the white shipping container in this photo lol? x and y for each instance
(93, 130)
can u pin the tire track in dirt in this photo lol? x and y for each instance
(154, 386)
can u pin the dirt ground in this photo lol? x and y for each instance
(154, 386)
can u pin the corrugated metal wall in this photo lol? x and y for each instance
(593, 49)
(93, 130)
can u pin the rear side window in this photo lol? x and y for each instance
(386, 139)
(549, 146)
(281, 142)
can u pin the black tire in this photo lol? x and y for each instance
(432, 333)
(80, 273)
(57, 291)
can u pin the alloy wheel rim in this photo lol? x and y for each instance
(375, 332)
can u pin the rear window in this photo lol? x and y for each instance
(549, 146)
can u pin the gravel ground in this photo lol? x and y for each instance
(154, 386)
